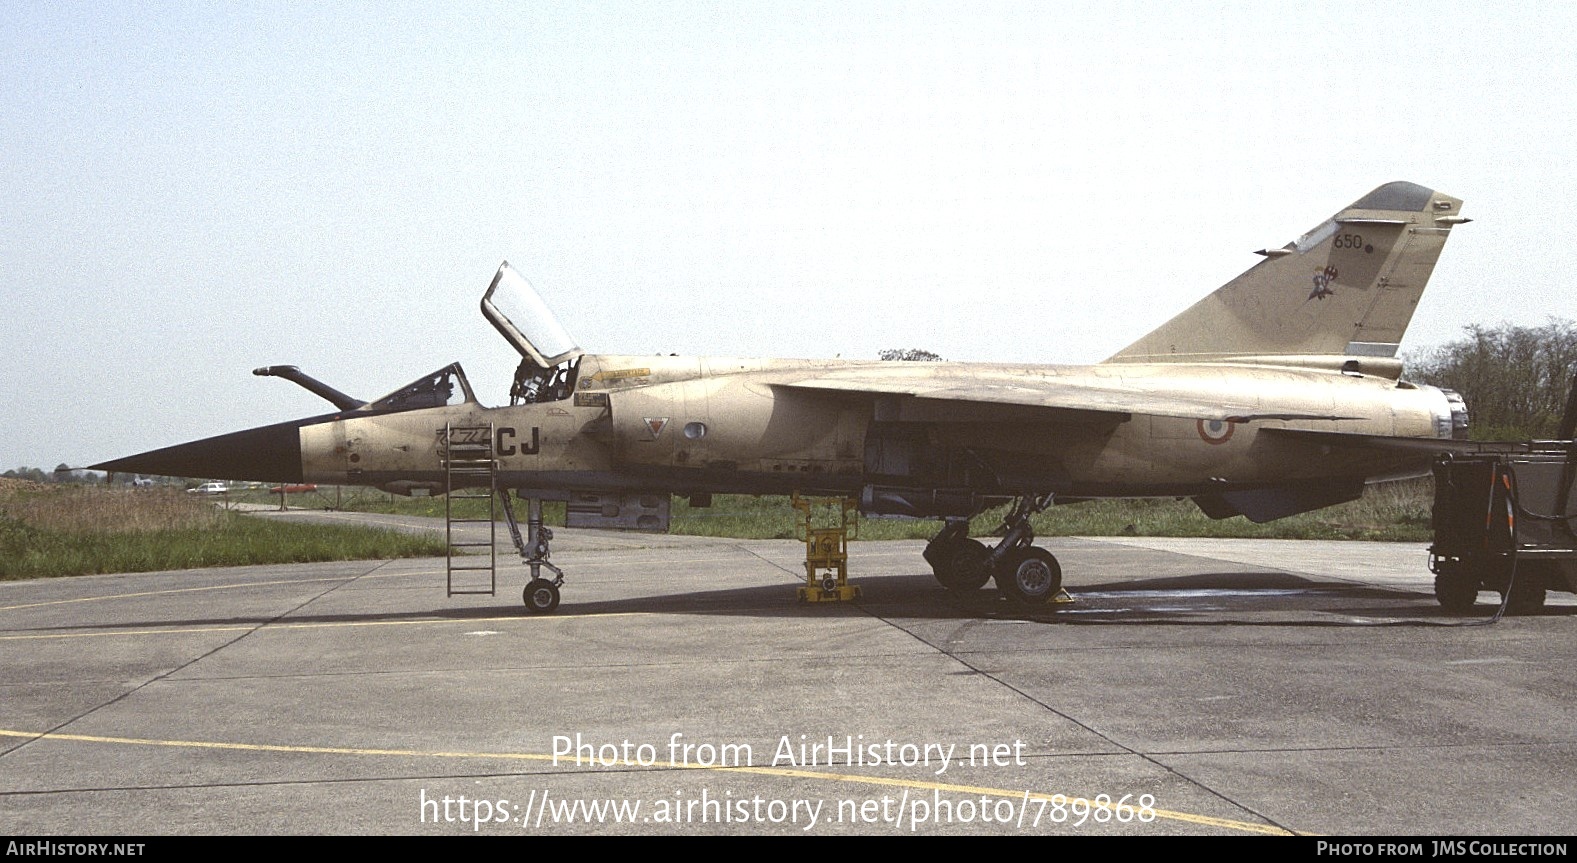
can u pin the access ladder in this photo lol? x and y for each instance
(470, 473)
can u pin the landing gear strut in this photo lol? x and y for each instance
(1023, 572)
(541, 594)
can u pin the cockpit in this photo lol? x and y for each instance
(446, 386)
(550, 359)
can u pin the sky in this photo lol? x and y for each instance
(191, 191)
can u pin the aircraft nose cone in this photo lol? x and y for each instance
(268, 454)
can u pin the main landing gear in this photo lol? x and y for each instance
(1023, 572)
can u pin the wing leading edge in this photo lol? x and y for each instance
(1046, 397)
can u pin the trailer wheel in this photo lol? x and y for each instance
(1456, 590)
(1527, 592)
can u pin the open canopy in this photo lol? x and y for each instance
(513, 307)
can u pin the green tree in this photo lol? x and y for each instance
(1515, 379)
(908, 355)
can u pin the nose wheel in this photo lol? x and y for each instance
(541, 596)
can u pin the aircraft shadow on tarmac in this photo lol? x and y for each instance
(1205, 599)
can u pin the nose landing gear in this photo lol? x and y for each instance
(541, 594)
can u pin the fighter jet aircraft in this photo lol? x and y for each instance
(1278, 393)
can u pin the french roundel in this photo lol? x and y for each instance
(1216, 431)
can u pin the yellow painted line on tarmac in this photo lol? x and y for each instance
(1039, 796)
(271, 627)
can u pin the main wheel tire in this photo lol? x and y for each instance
(965, 566)
(541, 596)
(1456, 590)
(1030, 575)
(940, 548)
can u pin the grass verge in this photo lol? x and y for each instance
(48, 531)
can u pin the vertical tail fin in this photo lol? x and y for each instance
(1348, 287)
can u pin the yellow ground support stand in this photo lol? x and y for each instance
(827, 547)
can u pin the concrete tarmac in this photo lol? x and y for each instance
(1225, 687)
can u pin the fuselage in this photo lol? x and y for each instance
(701, 425)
